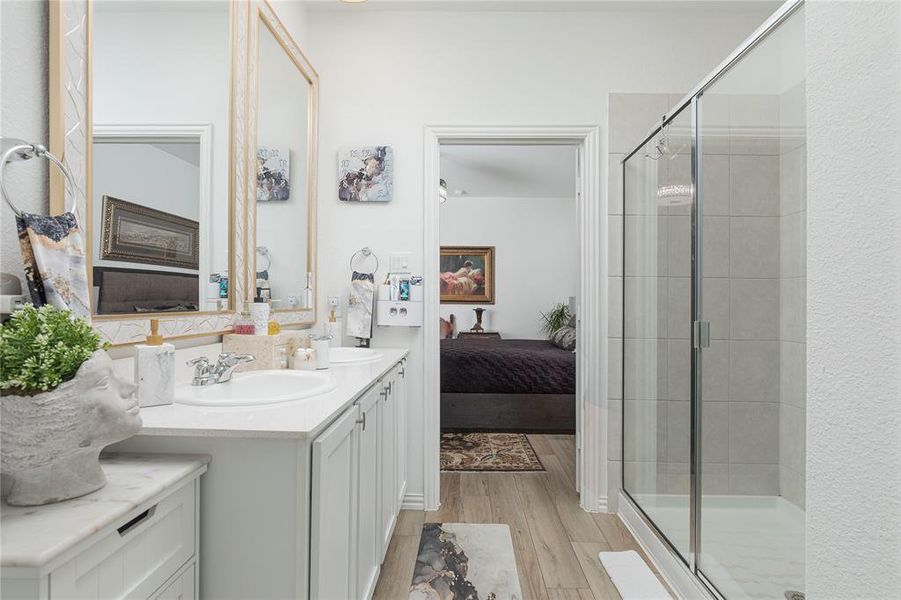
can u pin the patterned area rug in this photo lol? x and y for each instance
(461, 561)
(488, 452)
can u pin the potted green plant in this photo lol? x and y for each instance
(559, 326)
(555, 319)
(61, 405)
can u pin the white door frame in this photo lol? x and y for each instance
(591, 387)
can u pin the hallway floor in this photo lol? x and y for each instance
(556, 543)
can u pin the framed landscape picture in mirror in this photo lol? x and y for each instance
(135, 233)
(467, 274)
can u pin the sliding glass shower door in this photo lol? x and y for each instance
(714, 294)
(657, 329)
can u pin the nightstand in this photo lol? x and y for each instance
(475, 335)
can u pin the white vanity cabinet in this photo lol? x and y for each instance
(369, 542)
(333, 528)
(301, 497)
(355, 502)
(135, 538)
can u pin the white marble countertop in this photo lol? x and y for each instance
(297, 419)
(33, 536)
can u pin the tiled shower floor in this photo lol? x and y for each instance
(751, 546)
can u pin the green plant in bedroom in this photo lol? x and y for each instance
(556, 318)
(40, 348)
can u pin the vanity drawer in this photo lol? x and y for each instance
(137, 557)
(181, 588)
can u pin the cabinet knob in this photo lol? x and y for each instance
(403, 373)
(363, 421)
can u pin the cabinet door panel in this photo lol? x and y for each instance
(368, 534)
(388, 462)
(333, 516)
(400, 402)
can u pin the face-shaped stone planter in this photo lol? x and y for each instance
(50, 443)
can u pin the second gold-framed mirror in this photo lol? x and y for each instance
(284, 105)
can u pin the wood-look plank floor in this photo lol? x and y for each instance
(556, 543)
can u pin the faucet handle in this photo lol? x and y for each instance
(200, 360)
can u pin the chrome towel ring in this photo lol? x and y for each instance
(366, 253)
(15, 150)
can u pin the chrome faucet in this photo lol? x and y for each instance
(205, 373)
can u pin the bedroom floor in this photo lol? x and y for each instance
(556, 543)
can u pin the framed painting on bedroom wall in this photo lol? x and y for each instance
(467, 274)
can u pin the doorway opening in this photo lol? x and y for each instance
(509, 281)
(512, 232)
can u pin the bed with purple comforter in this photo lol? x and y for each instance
(507, 385)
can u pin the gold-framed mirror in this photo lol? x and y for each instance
(154, 134)
(285, 103)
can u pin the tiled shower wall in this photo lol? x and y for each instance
(793, 297)
(753, 291)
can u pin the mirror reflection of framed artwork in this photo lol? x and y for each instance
(135, 233)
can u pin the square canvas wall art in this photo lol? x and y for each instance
(273, 173)
(366, 174)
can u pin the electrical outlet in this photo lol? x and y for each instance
(399, 262)
(9, 304)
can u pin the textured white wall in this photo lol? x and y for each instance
(854, 286)
(386, 74)
(536, 257)
(23, 114)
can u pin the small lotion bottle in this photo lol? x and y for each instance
(333, 329)
(155, 369)
(259, 314)
(308, 292)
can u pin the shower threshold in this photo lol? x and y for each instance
(751, 546)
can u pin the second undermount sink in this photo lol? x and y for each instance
(258, 387)
(352, 355)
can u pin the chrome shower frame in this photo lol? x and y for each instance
(691, 102)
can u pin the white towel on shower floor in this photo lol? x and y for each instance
(632, 577)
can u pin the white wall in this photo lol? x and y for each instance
(386, 74)
(536, 257)
(23, 114)
(143, 77)
(854, 286)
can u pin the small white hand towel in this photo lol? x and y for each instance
(632, 577)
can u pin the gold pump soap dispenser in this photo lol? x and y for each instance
(155, 369)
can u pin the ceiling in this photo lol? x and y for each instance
(544, 5)
(508, 171)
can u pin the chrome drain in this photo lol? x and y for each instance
(794, 595)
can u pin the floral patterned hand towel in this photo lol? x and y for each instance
(53, 254)
(359, 305)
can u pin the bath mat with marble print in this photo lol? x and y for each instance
(488, 452)
(460, 561)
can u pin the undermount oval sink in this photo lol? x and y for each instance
(352, 355)
(258, 387)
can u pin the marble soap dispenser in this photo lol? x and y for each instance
(155, 369)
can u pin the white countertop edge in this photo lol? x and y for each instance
(39, 565)
(391, 358)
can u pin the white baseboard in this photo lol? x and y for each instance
(674, 571)
(600, 506)
(413, 502)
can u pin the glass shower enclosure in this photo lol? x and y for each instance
(714, 321)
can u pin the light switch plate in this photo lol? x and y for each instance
(399, 262)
